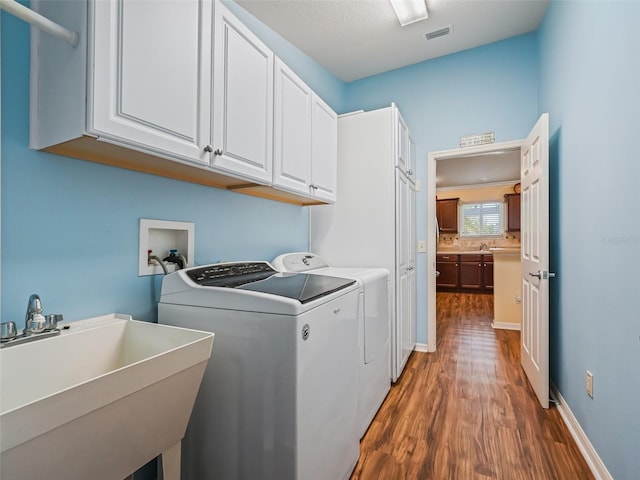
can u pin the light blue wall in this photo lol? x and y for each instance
(70, 227)
(589, 84)
(490, 88)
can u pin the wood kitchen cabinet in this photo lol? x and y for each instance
(513, 212)
(447, 215)
(487, 272)
(471, 272)
(464, 272)
(447, 265)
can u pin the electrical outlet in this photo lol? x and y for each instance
(589, 383)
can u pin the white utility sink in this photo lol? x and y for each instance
(99, 400)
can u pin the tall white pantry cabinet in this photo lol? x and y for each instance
(372, 222)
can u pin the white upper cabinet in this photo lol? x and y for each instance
(324, 151)
(292, 131)
(181, 89)
(405, 146)
(150, 83)
(306, 138)
(402, 143)
(242, 100)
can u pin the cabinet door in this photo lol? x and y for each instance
(403, 319)
(412, 286)
(447, 265)
(402, 144)
(402, 218)
(487, 273)
(150, 84)
(411, 166)
(513, 212)
(243, 100)
(324, 150)
(447, 215)
(471, 273)
(292, 131)
(411, 218)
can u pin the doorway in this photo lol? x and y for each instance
(476, 166)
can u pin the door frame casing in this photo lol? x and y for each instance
(431, 220)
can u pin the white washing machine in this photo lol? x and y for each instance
(279, 396)
(374, 363)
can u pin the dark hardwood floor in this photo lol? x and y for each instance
(467, 411)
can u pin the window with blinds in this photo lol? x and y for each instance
(482, 219)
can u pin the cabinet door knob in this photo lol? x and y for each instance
(409, 172)
(218, 152)
(208, 149)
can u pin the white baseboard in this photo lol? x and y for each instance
(505, 326)
(421, 347)
(589, 453)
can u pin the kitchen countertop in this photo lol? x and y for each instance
(491, 251)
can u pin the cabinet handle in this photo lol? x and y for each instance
(479, 264)
(218, 152)
(409, 172)
(208, 149)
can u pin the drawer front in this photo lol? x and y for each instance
(446, 258)
(471, 258)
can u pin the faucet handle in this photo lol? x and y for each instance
(8, 331)
(51, 321)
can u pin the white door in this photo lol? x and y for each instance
(243, 100)
(403, 346)
(411, 218)
(534, 179)
(292, 131)
(151, 75)
(324, 150)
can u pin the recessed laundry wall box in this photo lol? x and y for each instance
(161, 236)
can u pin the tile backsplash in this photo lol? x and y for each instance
(452, 241)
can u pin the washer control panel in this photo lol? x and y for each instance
(230, 274)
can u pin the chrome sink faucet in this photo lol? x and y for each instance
(483, 247)
(36, 325)
(34, 321)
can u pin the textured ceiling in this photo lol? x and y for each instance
(478, 169)
(358, 38)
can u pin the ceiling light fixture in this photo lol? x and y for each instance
(410, 11)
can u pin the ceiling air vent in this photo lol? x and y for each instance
(439, 33)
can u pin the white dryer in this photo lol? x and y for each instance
(374, 364)
(279, 396)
